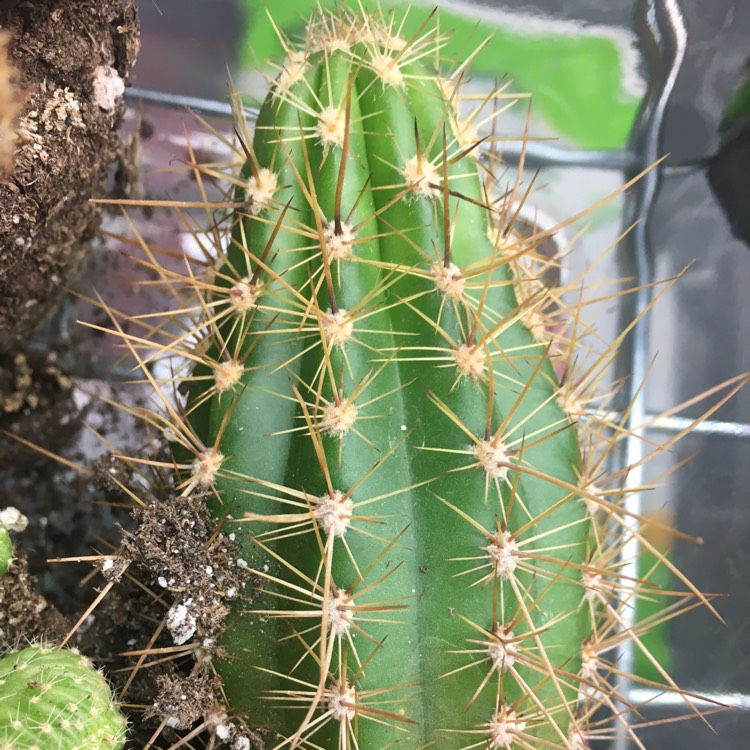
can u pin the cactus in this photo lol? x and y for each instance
(50, 698)
(412, 505)
(6, 550)
(11, 519)
(389, 409)
(54, 699)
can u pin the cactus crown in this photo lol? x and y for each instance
(399, 420)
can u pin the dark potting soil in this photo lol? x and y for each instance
(73, 58)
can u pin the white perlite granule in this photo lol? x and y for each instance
(108, 87)
(181, 622)
(13, 519)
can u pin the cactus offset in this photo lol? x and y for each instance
(395, 417)
(52, 698)
(11, 519)
(6, 550)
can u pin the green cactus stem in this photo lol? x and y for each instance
(6, 550)
(399, 421)
(11, 519)
(54, 699)
(387, 422)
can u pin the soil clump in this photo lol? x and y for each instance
(73, 59)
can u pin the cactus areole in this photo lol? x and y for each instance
(384, 425)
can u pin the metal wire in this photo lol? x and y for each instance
(663, 40)
(654, 699)
(537, 154)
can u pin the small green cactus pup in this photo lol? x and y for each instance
(6, 550)
(54, 699)
(376, 410)
(11, 519)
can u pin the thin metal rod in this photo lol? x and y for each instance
(707, 427)
(197, 104)
(676, 424)
(663, 39)
(656, 699)
(537, 154)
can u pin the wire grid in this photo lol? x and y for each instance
(662, 38)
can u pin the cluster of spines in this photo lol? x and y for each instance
(335, 631)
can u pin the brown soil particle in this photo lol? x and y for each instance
(157, 629)
(25, 615)
(74, 58)
(182, 701)
(23, 386)
(174, 546)
(35, 399)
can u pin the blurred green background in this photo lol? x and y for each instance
(577, 74)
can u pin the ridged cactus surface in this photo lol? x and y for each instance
(388, 425)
